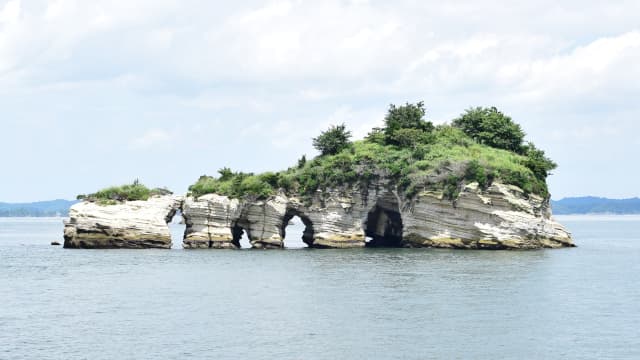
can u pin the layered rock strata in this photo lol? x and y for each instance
(334, 220)
(133, 224)
(500, 217)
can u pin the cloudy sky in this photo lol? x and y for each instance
(94, 93)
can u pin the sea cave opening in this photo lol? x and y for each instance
(383, 226)
(240, 237)
(297, 230)
(177, 227)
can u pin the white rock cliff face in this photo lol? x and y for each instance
(134, 224)
(500, 217)
(333, 222)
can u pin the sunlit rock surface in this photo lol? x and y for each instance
(133, 224)
(209, 222)
(500, 217)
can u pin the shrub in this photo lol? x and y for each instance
(411, 153)
(451, 187)
(410, 137)
(405, 125)
(225, 174)
(476, 172)
(270, 178)
(130, 192)
(536, 160)
(204, 185)
(254, 185)
(376, 136)
(302, 161)
(490, 127)
(286, 182)
(332, 141)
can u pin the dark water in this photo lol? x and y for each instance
(581, 303)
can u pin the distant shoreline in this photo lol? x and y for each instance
(596, 206)
(51, 208)
(597, 217)
(588, 206)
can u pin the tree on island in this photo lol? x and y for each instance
(488, 126)
(333, 141)
(491, 127)
(537, 161)
(128, 192)
(482, 145)
(404, 126)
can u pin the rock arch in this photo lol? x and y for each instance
(237, 230)
(383, 223)
(502, 216)
(309, 232)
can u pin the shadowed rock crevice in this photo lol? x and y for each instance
(384, 223)
(237, 232)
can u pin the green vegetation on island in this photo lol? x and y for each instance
(128, 192)
(482, 145)
(409, 152)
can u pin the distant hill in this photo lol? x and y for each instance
(37, 209)
(567, 206)
(595, 205)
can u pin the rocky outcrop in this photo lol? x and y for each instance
(209, 222)
(500, 217)
(334, 220)
(133, 224)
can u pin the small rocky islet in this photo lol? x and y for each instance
(471, 184)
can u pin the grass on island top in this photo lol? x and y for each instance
(130, 192)
(429, 165)
(482, 145)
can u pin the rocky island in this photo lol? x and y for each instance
(471, 184)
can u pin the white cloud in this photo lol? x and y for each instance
(291, 40)
(404, 47)
(606, 64)
(276, 73)
(216, 101)
(10, 13)
(271, 11)
(151, 138)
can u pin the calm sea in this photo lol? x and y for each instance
(581, 303)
